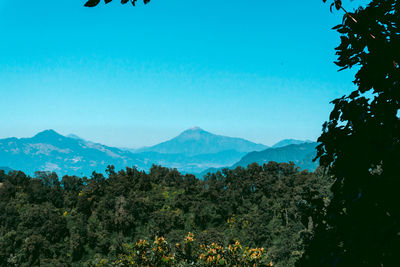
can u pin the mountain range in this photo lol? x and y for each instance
(51, 151)
(193, 151)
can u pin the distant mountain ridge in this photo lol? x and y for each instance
(193, 151)
(196, 141)
(50, 151)
(286, 142)
(301, 154)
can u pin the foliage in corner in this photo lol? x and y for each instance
(360, 145)
(93, 3)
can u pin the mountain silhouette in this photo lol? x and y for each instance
(300, 154)
(193, 151)
(51, 151)
(196, 141)
(286, 142)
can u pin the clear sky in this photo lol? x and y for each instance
(134, 76)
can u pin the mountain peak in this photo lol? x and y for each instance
(194, 133)
(196, 141)
(47, 134)
(195, 129)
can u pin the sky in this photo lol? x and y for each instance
(136, 76)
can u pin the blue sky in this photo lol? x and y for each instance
(134, 76)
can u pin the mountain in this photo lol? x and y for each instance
(286, 142)
(196, 141)
(301, 154)
(50, 151)
(192, 151)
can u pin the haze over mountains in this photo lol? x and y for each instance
(51, 151)
(196, 141)
(193, 151)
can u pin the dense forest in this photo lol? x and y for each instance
(346, 213)
(263, 213)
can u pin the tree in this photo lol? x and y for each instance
(360, 146)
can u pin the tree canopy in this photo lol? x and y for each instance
(45, 221)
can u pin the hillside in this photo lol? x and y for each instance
(286, 142)
(300, 154)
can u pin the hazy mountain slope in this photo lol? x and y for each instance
(300, 154)
(286, 142)
(193, 151)
(51, 151)
(196, 141)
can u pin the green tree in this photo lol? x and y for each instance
(360, 145)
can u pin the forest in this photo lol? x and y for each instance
(263, 211)
(346, 213)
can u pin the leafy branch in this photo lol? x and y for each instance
(93, 3)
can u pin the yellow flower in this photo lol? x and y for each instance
(189, 237)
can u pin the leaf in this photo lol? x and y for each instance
(354, 94)
(338, 4)
(124, 1)
(107, 1)
(337, 27)
(92, 3)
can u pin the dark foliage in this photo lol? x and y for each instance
(361, 146)
(80, 221)
(92, 3)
